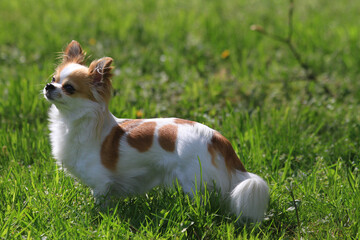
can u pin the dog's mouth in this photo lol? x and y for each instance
(48, 96)
(51, 94)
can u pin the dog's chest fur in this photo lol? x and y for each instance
(75, 146)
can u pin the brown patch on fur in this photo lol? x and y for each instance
(167, 137)
(110, 148)
(213, 155)
(82, 82)
(223, 146)
(183, 121)
(141, 137)
(127, 125)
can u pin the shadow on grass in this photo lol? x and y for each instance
(171, 212)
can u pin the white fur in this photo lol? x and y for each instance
(70, 68)
(250, 196)
(79, 126)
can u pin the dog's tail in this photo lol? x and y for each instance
(250, 197)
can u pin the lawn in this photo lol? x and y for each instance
(197, 60)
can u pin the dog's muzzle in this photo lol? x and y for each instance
(48, 90)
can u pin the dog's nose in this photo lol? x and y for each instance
(49, 87)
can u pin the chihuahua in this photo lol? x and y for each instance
(131, 156)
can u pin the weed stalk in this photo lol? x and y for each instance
(310, 74)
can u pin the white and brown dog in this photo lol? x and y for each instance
(126, 156)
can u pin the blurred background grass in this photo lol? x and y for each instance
(197, 60)
(171, 49)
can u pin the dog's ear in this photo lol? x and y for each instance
(100, 70)
(74, 53)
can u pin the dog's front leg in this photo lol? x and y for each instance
(102, 196)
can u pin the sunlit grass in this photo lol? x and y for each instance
(197, 60)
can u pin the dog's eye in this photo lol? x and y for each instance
(53, 79)
(69, 89)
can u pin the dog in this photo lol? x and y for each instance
(131, 156)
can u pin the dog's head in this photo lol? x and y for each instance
(74, 85)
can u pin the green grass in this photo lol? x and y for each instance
(168, 62)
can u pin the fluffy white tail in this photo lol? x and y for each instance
(250, 197)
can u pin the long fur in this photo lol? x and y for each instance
(149, 152)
